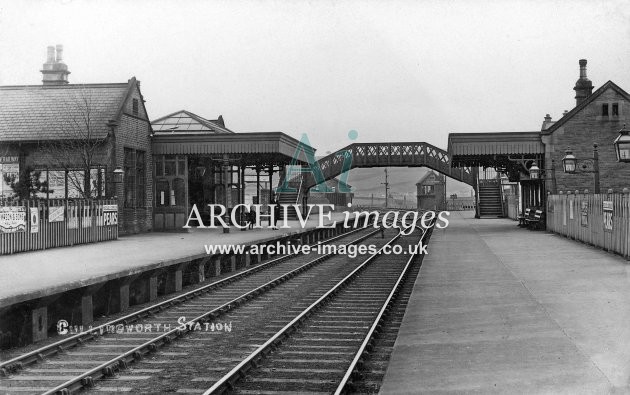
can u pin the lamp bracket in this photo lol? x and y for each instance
(523, 161)
(585, 166)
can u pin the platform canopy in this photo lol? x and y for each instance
(510, 153)
(185, 133)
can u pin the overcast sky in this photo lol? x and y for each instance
(392, 70)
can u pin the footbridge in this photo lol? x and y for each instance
(388, 155)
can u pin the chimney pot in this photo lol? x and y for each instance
(59, 53)
(50, 58)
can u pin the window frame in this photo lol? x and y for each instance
(135, 174)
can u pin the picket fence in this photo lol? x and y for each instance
(602, 220)
(31, 225)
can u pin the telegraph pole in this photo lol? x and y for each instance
(386, 188)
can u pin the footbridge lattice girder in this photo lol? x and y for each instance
(389, 155)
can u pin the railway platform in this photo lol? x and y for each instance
(133, 269)
(35, 274)
(500, 309)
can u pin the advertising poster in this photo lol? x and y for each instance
(73, 217)
(110, 215)
(34, 215)
(12, 219)
(608, 215)
(56, 214)
(584, 221)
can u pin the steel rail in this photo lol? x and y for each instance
(228, 381)
(107, 369)
(366, 346)
(15, 364)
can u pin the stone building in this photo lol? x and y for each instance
(597, 118)
(76, 136)
(431, 191)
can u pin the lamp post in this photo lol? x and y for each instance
(572, 165)
(622, 145)
(547, 175)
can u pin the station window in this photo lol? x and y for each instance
(615, 109)
(169, 165)
(605, 109)
(135, 178)
(171, 189)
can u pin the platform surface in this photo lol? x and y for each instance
(29, 275)
(500, 309)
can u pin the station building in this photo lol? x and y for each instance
(597, 118)
(92, 141)
(199, 161)
(76, 136)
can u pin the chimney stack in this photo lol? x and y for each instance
(583, 86)
(547, 123)
(54, 71)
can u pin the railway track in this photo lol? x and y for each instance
(324, 347)
(80, 361)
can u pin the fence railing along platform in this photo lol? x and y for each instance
(30, 225)
(602, 220)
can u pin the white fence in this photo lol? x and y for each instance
(602, 220)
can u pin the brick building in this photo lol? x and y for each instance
(431, 191)
(76, 135)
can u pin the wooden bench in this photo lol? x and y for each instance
(522, 219)
(538, 222)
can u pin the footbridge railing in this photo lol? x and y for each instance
(388, 155)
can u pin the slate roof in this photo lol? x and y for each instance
(185, 122)
(426, 175)
(586, 102)
(51, 112)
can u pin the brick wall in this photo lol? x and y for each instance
(133, 132)
(580, 132)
